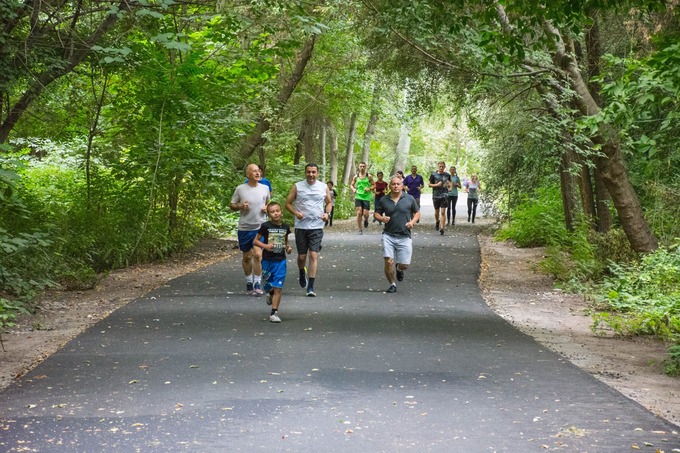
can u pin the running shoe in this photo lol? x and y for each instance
(310, 292)
(400, 275)
(249, 289)
(365, 223)
(303, 278)
(361, 232)
(441, 231)
(436, 227)
(274, 318)
(269, 298)
(392, 289)
(257, 289)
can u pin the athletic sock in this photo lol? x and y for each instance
(274, 310)
(250, 278)
(310, 283)
(257, 279)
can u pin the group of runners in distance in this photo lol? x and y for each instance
(263, 236)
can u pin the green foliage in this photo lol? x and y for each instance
(672, 361)
(537, 221)
(642, 298)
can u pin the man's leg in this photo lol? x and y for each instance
(442, 214)
(389, 271)
(301, 260)
(436, 215)
(367, 210)
(359, 210)
(448, 211)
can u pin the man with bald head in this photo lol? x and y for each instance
(251, 199)
(399, 212)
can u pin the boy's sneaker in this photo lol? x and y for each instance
(392, 289)
(250, 290)
(303, 278)
(274, 318)
(257, 289)
(310, 292)
(269, 298)
(400, 275)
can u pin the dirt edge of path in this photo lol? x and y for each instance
(510, 285)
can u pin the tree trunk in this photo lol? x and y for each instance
(349, 149)
(585, 186)
(334, 155)
(612, 166)
(373, 120)
(604, 217)
(403, 148)
(71, 60)
(567, 190)
(256, 138)
(322, 140)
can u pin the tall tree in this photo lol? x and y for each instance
(349, 149)
(256, 138)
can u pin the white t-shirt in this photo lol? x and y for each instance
(257, 198)
(310, 201)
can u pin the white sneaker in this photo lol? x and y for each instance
(274, 318)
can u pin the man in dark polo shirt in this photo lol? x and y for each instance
(398, 211)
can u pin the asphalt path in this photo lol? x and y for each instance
(197, 366)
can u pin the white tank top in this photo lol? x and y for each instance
(310, 202)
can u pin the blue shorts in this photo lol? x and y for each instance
(273, 274)
(245, 240)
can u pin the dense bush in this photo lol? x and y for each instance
(642, 298)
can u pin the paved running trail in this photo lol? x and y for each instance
(196, 366)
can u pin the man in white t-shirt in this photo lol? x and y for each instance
(251, 199)
(310, 202)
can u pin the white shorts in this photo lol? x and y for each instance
(399, 248)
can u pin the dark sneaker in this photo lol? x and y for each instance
(400, 275)
(392, 289)
(441, 231)
(250, 290)
(303, 278)
(257, 289)
(436, 227)
(365, 223)
(310, 292)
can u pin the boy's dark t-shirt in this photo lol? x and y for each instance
(274, 234)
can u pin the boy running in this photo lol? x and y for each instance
(272, 238)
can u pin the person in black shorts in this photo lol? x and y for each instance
(440, 181)
(310, 202)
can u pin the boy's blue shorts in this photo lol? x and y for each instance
(273, 274)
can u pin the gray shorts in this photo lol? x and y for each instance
(399, 248)
(306, 240)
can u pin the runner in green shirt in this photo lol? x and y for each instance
(362, 186)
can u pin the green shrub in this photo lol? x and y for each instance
(536, 222)
(642, 298)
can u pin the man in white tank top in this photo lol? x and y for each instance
(310, 202)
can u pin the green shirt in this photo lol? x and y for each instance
(362, 186)
(454, 188)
